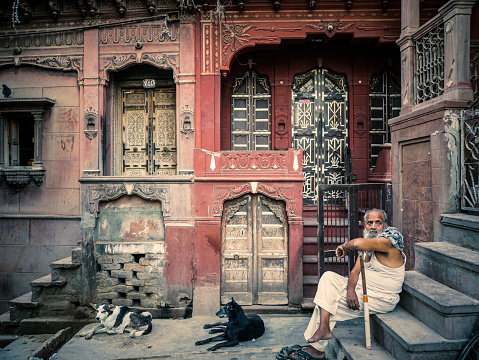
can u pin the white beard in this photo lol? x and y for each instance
(371, 234)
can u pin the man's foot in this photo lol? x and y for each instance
(320, 334)
(308, 353)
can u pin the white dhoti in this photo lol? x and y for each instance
(383, 285)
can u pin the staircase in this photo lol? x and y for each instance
(335, 233)
(52, 304)
(437, 313)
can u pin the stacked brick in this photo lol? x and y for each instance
(131, 280)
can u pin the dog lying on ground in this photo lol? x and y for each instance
(240, 327)
(116, 319)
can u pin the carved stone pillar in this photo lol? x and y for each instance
(409, 24)
(186, 97)
(91, 107)
(38, 126)
(457, 46)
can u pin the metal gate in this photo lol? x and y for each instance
(341, 209)
(320, 128)
(254, 258)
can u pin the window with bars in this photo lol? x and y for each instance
(251, 113)
(384, 104)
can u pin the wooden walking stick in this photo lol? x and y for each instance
(367, 327)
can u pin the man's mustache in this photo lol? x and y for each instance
(371, 234)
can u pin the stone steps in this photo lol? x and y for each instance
(451, 265)
(23, 307)
(451, 313)
(437, 313)
(348, 343)
(407, 338)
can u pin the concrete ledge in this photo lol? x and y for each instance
(65, 263)
(47, 281)
(49, 347)
(463, 221)
(439, 296)
(451, 313)
(405, 337)
(452, 265)
(349, 343)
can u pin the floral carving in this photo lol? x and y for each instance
(163, 60)
(286, 193)
(100, 192)
(235, 36)
(330, 27)
(253, 161)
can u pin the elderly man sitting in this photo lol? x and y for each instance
(339, 298)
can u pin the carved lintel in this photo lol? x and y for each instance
(109, 192)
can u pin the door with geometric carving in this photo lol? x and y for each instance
(149, 131)
(320, 128)
(254, 259)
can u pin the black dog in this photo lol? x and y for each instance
(240, 327)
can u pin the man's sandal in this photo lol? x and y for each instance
(304, 355)
(284, 353)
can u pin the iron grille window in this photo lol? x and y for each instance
(470, 163)
(251, 113)
(429, 65)
(475, 70)
(384, 104)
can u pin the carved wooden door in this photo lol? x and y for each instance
(320, 128)
(149, 131)
(254, 266)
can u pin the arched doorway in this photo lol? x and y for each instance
(144, 126)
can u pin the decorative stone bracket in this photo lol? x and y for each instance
(19, 178)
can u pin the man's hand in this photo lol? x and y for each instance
(341, 251)
(352, 300)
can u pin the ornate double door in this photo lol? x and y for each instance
(320, 128)
(254, 259)
(149, 131)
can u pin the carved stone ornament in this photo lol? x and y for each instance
(100, 192)
(65, 63)
(118, 62)
(19, 178)
(285, 193)
(91, 117)
(330, 27)
(187, 117)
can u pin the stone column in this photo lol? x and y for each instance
(186, 97)
(409, 25)
(91, 107)
(457, 45)
(38, 120)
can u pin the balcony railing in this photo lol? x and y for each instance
(429, 61)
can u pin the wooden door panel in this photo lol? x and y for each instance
(254, 252)
(164, 131)
(272, 252)
(237, 254)
(149, 132)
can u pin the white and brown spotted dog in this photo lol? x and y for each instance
(116, 319)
